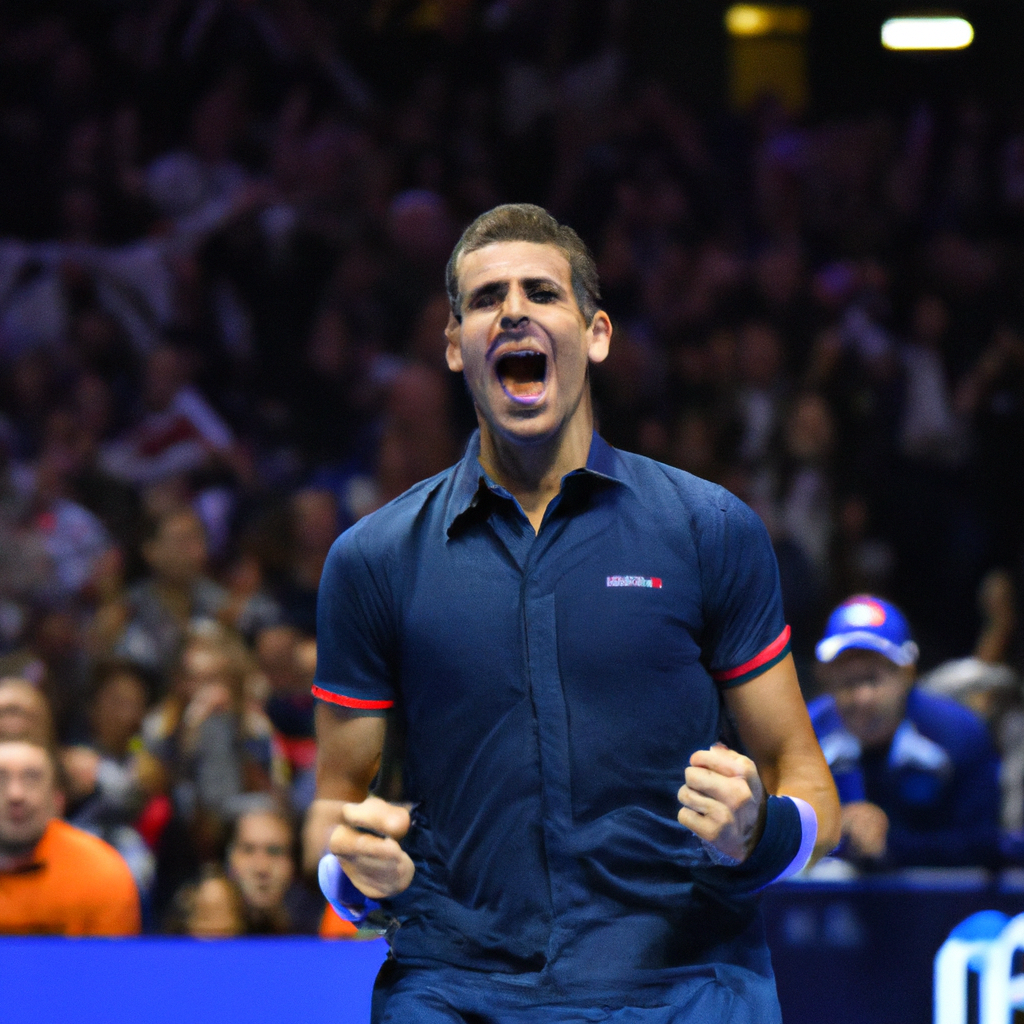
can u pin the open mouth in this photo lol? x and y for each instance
(522, 374)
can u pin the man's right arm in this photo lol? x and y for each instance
(362, 831)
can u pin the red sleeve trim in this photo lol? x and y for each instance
(770, 652)
(352, 702)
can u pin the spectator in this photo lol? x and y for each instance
(55, 879)
(985, 683)
(213, 741)
(209, 908)
(71, 535)
(261, 861)
(917, 774)
(24, 712)
(111, 778)
(176, 592)
(288, 660)
(180, 433)
(312, 529)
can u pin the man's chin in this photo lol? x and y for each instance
(17, 844)
(873, 737)
(527, 432)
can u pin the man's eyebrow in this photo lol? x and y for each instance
(546, 282)
(491, 288)
(499, 288)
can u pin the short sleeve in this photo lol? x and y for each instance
(354, 636)
(745, 631)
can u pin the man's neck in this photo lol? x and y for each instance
(532, 473)
(14, 856)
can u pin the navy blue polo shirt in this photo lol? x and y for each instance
(553, 687)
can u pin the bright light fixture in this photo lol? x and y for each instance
(765, 19)
(927, 33)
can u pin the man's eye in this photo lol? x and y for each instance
(543, 295)
(483, 301)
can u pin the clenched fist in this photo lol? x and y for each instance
(367, 844)
(724, 802)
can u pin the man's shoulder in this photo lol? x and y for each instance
(86, 887)
(954, 727)
(659, 482)
(94, 858)
(379, 532)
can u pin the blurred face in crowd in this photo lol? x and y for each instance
(177, 554)
(204, 667)
(260, 860)
(760, 354)
(29, 797)
(523, 344)
(315, 518)
(118, 711)
(215, 911)
(870, 693)
(24, 712)
(809, 429)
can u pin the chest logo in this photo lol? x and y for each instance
(634, 581)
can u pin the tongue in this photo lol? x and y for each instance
(524, 388)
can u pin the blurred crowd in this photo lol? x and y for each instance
(223, 228)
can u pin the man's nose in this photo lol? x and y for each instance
(863, 693)
(513, 309)
(14, 791)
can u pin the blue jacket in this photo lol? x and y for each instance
(937, 780)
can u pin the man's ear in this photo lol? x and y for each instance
(453, 353)
(600, 331)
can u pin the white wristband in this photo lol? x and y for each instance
(808, 837)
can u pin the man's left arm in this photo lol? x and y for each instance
(725, 796)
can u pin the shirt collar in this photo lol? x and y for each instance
(38, 858)
(471, 484)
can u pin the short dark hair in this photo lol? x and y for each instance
(109, 668)
(524, 222)
(248, 804)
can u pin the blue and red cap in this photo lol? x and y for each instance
(868, 623)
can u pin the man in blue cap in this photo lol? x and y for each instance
(917, 773)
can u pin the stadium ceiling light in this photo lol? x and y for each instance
(927, 33)
(765, 20)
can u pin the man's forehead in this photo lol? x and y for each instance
(257, 824)
(20, 697)
(16, 755)
(857, 660)
(509, 261)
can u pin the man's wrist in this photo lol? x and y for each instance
(808, 837)
(785, 847)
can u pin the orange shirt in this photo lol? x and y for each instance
(334, 927)
(75, 884)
